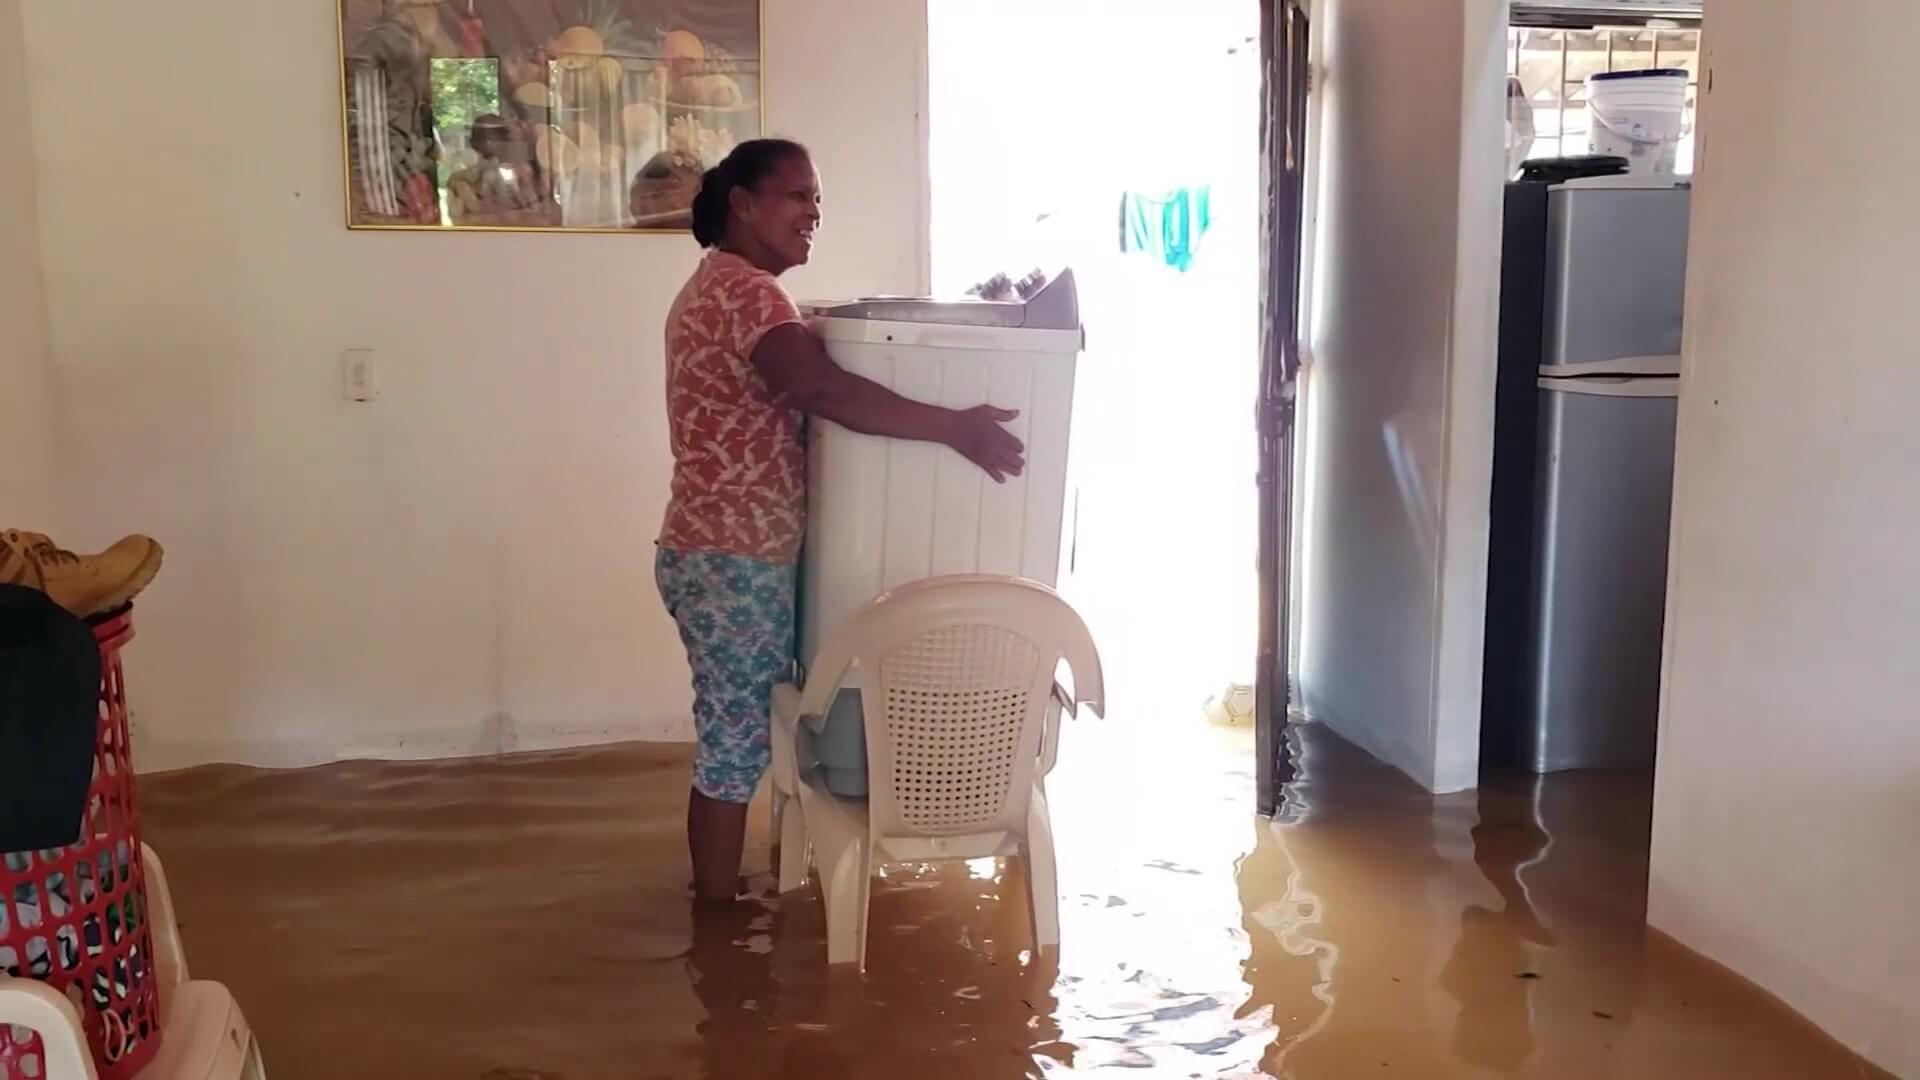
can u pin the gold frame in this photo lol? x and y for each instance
(346, 150)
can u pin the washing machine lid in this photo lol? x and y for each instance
(1055, 307)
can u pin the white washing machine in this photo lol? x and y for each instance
(883, 513)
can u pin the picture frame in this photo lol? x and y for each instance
(584, 116)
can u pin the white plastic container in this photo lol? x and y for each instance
(1640, 116)
(883, 513)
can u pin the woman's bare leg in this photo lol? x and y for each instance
(716, 837)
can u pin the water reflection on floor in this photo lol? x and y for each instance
(524, 918)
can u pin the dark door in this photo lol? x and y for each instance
(1285, 82)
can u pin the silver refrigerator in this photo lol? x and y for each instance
(1592, 306)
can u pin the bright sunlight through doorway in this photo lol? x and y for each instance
(1122, 139)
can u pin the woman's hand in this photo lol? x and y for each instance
(795, 362)
(977, 435)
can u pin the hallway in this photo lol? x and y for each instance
(522, 919)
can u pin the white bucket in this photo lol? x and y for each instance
(1640, 116)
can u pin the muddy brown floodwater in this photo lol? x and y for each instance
(524, 917)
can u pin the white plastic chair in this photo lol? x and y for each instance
(205, 1036)
(962, 718)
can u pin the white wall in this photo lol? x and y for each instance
(1787, 813)
(27, 492)
(1402, 333)
(466, 564)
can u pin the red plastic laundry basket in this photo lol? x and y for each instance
(76, 917)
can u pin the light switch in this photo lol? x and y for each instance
(357, 378)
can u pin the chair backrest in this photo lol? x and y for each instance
(957, 676)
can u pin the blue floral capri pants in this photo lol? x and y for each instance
(735, 615)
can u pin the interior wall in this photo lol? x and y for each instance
(1402, 332)
(464, 565)
(27, 490)
(1784, 836)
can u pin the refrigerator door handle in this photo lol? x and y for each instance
(1615, 386)
(1619, 365)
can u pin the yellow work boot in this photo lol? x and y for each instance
(16, 563)
(89, 585)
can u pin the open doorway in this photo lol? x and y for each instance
(1123, 141)
(1600, 122)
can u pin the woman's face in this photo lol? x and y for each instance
(776, 220)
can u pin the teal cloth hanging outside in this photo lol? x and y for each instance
(1167, 226)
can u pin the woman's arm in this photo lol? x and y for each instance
(794, 361)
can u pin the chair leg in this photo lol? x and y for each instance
(790, 825)
(848, 886)
(866, 906)
(169, 956)
(785, 772)
(1042, 875)
(778, 805)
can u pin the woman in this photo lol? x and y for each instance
(742, 368)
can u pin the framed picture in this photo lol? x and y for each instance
(567, 115)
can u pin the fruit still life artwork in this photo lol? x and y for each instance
(596, 115)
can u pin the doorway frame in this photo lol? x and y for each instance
(1286, 83)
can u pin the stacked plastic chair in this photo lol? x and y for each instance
(962, 715)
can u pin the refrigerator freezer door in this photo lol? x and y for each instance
(1605, 477)
(1616, 276)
